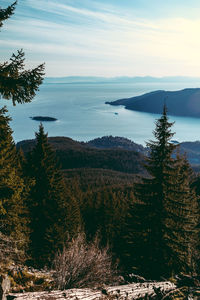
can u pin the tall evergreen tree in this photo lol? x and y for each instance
(182, 219)
(49, 207)
(20, 86)
(158, 242)
(153, 195)
(13, 213)
(196, 186)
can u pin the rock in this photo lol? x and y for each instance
(4, 286)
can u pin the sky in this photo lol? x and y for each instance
(106, 37)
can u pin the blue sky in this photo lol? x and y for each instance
(106, 37)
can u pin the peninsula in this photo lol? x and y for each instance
(179, 103)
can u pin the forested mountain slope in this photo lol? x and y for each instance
(74, 154)
(180, 103)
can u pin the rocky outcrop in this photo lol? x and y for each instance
(128, 292)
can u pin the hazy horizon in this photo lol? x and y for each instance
(125, 76)
(147, 77)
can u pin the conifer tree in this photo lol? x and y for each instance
(49, 207)
(7, 12)
(13, 213)
(18, 84)
(153, 195)
(182, 220)
(196, 186)
(158, 242)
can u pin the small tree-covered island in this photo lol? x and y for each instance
(43, 119)
(107, 219)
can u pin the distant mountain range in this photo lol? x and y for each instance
(180, 103)
(122, 79)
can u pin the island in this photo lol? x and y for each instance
(185, 102)
(43, 119)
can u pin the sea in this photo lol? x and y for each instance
(82, 114)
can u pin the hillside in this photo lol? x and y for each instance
(110, 142)
(180, 103)
(191, 149)
(108, 153)
(74, 154)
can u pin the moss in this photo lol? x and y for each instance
(22, 277)
(24, 280)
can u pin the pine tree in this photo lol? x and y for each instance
(153, 195)
(13, 213)
(196, 186)
(50, 205)
(18, 84)
(158, 241)
(7, 13)
(182, 220)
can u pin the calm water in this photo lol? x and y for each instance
(82, 114)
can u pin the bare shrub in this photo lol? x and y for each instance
(8, 250)
(83, 264)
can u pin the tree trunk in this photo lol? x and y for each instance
(123, 292)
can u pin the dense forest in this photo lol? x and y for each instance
(132, 213)
(148, 214)
(72, 154)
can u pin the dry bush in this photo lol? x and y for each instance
(83, 264)
(8, 250)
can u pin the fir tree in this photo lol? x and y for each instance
(18, 84)
(182, 220)
(196, 186)
(13, 213)
(153, 195)
(161, 226)
(50, 205)
(7, 13)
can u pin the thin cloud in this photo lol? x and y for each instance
(110, 17)
(102, 37)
